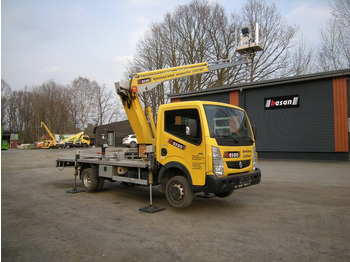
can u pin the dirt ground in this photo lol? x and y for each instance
(299, 212)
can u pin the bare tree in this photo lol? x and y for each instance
(102, 103)
(335, 46)
(303, 58)
(83, 92)
(274, 60)
(50, 105)
(341, 12)
(201, 31)
(5, 96)
(64, 109)
(191, 34)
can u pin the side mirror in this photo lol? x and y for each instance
(191, 127)
(255, 132)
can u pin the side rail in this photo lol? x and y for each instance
(61, 163)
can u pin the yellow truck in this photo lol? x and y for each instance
(64, 141)
(194, 147)
(48, 143)
(76, 140)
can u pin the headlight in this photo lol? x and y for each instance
(255, 159)
(218, 164)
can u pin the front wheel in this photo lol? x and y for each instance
(90, 182)
(178, 192)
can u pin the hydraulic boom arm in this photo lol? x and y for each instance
(146, 81)
(75, 137)
(47, 130)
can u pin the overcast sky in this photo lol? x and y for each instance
(64, 39)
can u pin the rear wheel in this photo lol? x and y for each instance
(90, 182)
(133, 144)
(101, 182)
(178, 192)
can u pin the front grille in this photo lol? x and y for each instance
(238, 164)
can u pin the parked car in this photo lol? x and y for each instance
(130, 140)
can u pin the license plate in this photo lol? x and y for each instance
(245, 180)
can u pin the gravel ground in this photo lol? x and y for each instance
(299, 212)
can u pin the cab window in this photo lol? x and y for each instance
(176, 123)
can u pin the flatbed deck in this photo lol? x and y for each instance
(99, 160)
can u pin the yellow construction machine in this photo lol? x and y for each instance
(194, 147)
(48, 143)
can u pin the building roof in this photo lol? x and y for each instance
(277, 81)
(110, 124)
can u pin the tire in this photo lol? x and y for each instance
(224, 194)
(178, 192)
(90, 182)
(133, 144)
(101, 182)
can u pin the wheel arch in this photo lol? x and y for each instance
(173, 169)
(87, 165)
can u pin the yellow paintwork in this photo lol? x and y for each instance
(47, 130)
(202, 66)
(135, 112)
(48, 143)
(197, 158)
(166, 74)
(85, 139)
(191, 156)
(138, 122)
(243, 156)
(75, 137)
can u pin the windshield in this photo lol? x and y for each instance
(227, 123)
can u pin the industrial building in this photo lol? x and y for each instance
(112, 134)
(301, 117)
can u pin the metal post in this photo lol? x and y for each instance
(75, 190)
(151, 208)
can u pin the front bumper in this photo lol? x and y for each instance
(215, 184)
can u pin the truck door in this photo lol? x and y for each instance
(181, 140)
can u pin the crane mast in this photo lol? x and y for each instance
(248, 43)
(146, 81)
(47, 130)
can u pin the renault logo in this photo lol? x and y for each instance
(240, 165)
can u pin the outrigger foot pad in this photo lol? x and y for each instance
(204, 195)
(151, 209)
(74, 191)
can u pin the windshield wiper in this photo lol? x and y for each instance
(247, 138)
(233, 138)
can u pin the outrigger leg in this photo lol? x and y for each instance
(75, 190)
(151, 208)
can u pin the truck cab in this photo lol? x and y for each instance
(210, 144)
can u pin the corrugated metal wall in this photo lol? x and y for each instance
(308, 128)
(317, 129)
(219, 97)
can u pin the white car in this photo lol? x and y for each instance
(130, 140)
